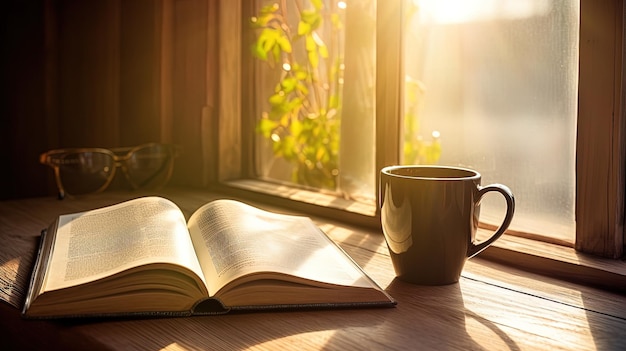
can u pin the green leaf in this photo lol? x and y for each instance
(257, 51)
(265, 127)
(303, 89)
(310, 43)
(271, 8)
(308, 16)
(296, 128)
(277, 113)
(294, 105)
(277, 99)
(289, 147)
(303, 28)
(266, 41)
(323, 51)
(262, 20)
(288, 84)
(268, 38)
(301, 75)
(313, 18)
(284, 44)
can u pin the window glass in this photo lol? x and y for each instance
(488, 84)
(314, 69)
(492, 85)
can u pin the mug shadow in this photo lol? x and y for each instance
(439, 316)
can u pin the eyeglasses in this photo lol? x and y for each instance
(89, 170)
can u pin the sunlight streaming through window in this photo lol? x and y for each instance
(498, 81)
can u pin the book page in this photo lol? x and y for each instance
(94, 244)
(233, 239)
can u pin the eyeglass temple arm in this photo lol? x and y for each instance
(46, 159)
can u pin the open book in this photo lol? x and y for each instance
(142, 257)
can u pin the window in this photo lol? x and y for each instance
(599, 155)
(497, 81)
(314, 79)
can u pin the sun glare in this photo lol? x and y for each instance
(8, 275)
(482, 320)
(462, 11)
(314, 339)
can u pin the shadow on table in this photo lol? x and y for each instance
(606, 319)
(427, 317)
(435, 318)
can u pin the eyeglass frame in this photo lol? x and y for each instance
(119, 155)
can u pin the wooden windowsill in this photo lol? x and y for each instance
(558, 261)
(548, 259)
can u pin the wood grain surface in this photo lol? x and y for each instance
(493, 307)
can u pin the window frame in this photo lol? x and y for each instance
(600, 155)
(601, 142)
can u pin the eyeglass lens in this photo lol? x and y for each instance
(149, 166)
(85, 172)
(82, 172)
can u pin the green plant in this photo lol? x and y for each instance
(416, 150)
(304, 113)
(303, 118)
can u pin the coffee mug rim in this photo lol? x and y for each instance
(388, 171)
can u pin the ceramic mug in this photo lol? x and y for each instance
(429, 217)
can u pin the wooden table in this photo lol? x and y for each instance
(493, 307)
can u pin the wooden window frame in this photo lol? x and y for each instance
(600, 156)
(600, 159)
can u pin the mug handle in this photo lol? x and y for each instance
(473, 248)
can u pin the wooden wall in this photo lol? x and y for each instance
(22, 126)
(101, 73)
